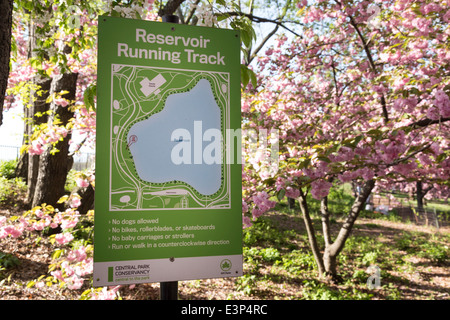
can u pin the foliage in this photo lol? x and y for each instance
(271, 258)
(7, 260)
(434, 248)
(7, 169)
(10, 188)
(274, 254)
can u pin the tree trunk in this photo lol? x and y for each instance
(346, 228)
(28, 165)
(327, 262)
(420, 194)
(6, 9)
(291, 203)
(21, 170)
(87, 198)
(53, 169)
(330, 265)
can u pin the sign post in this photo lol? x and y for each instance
(168, 201)
(169, 290)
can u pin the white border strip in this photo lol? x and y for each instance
(163, 270)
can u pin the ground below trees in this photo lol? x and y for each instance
(407, 272)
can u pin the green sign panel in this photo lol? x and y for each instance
(168, 175)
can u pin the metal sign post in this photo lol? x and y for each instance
(169, 290)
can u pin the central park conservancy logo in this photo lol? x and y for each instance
(129, 272)
(225, 265)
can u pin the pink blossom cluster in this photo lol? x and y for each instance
(262, 204)
(105, 293)
(51, 135)
(440, 107)
(42, 217)
(77, 266)
(320, 188)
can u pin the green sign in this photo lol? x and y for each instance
(168, 203)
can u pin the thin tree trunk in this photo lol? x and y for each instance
(421, 192)
(87, 198)
(311, 233)
(329, 260)
(291, 203)
(333, 249)
(28, 165)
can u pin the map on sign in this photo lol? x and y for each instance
(167, 139)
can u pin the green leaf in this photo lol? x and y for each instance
(281, 194)
(253, 78)
(221, 2)
(269, 181)
(246, 38)
(374, 132)
(89, 96)
(222, 16)
(324, 159)
(244, 75)
(441, 157)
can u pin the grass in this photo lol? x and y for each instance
(10, 189)
(440, 206)
(394, 250)
(274, 255)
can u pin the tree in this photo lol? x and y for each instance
(55, 68)
(6, 8)
(357, 97)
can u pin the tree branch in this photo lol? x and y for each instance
(170, 7)
(260, 20)
(263, 42)
(372, 65)
(409, 156)
(270, 34)
(426, 122)
(191, 13)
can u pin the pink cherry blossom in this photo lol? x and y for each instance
(64, 238)
(82, 183)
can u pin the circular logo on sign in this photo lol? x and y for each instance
(225, 265)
